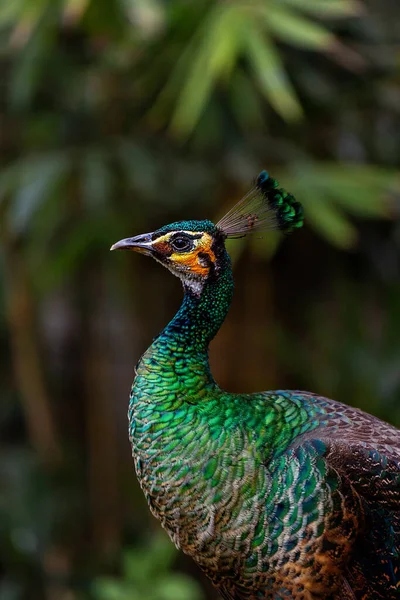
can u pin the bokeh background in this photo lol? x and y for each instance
(116, 117)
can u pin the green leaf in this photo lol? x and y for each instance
(31, 61)
(37, 178)
(10, 11)
(328, 189)
(163, 553)
(360, 189)
(107, 588)
(271, 75)
(246, 101)
(358, 197)
(213, 59)
(177, 586)
(328, 8)
(297, 30)
(75, 9)
(329, 221)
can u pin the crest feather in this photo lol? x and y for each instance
(266, 206)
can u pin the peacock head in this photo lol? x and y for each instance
(195, 250)
(192, 250)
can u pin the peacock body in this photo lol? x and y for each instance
(275, 495)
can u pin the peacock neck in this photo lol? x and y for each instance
(202, 313)
(182, 347)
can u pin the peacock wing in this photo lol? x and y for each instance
(374, 568)
(364, 453)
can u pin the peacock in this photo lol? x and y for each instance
(275, 495)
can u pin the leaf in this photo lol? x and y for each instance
(74, 10)
(271, 75)
(360, 189)
(167, 97)
(108, 588)
(329, 221)
(359, 198)
(177, 586)
(246, 101)
(297, 30)
(141, 567)
(328, 8)
(10, 11)
(163, 553)
(28, 18)
(31, 62)
(214, 58)
(37, 178)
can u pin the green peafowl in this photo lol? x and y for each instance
(275, 495)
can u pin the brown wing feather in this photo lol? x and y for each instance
(374, 571)
(365, 452)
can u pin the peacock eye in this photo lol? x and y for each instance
(182, 244)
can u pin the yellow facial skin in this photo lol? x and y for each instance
(190, 261)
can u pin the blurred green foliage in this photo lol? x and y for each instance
(117, 116)
(146, 573)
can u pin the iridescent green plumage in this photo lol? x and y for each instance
(275, 495)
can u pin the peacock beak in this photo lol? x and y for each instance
(139, 243)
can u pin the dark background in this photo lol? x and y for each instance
(117, 117)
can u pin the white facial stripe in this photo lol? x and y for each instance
(166, 237)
